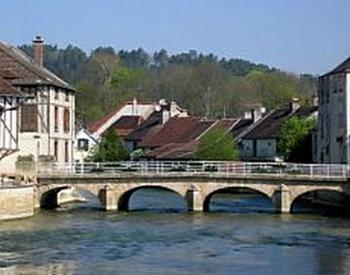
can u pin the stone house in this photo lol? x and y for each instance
(259, 141)
(47, 118)
(333, 129)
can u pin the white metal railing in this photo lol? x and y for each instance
(192, 167)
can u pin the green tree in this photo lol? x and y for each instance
(217, 145)
(110, 148)
(294, 131)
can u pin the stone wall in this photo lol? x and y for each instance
(16, 202)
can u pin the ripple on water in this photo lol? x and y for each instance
(86, 241)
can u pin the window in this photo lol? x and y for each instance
(56, 119)
(56, 93)
(66, 120)
(83, 144)
(66, 153)
(66, 96)
(29, 118)
(55, 149)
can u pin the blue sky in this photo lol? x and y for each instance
(294, 35)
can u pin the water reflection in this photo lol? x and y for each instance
(80, 240)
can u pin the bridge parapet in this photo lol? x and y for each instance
(222, 168)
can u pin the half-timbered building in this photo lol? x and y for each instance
(10, 100)
(46, 119)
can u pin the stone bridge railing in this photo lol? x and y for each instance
(194, 167)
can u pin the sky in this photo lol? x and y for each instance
(301, 36)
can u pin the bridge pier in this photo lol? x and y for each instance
(282, 199)
(108, 198)
(194, 199)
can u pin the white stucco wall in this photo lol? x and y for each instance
(80, 155)
(42, 142)
(246, 148)
(266, 148)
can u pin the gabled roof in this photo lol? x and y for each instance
(179, 138)
(6, 89)
(113, 117)
(241, 125)
(342, 68)
(151, 124)
(126, 124)
(176, 130)
(24, 69)
(270, 126)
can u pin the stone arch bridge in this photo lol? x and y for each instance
(115, 190)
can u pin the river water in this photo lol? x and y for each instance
(241, 235)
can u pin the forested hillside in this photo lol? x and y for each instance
(204, 84)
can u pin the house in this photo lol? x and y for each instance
(333, 129)
(10, 100)
(46, 119)
(179, 137)
(259, 141)
(128, 120)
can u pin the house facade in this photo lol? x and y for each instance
(333, 130)
(46, 119)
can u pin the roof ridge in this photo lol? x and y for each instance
(30, 64)
(253, 125)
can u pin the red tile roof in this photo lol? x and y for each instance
(152, 124)
(24, 71)
(94, 126)
(7, 89)
(126, 124)
(176, 130)
(179, 137)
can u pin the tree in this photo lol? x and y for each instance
(294, 133)
(217, 145)
(110, 148)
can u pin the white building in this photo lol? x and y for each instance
(46, 120)
(334, 115)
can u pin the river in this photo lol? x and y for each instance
(241, 235)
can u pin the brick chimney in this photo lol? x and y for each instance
(38, 46)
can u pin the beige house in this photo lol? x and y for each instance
(46, 119)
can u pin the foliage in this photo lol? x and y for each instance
(110, 149)
(293, 134)
(217, 145)
(202, 83)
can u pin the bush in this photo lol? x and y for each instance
(217, 144)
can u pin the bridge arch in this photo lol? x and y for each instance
(229, 189)
(297, 195)
(47, 196)
(124, 197)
